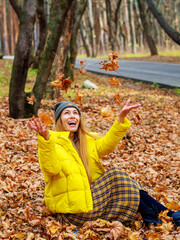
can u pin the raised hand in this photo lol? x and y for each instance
(125, 110)
(39, 127)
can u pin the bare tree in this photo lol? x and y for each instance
(17, 97)
(171, 32)
(146, 28)
(20, 65)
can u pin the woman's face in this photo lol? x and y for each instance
(70, 119)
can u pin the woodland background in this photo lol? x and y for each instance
(44, 48)
(52, 33)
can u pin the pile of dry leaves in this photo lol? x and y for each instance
(149, 154)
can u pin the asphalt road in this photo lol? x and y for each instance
(164, 74)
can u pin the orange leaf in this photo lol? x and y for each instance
(165, 227)
(31, 99)
(78, 97)
(82, 71)
(106, 112)
(113, 81)
(118, 98)
(173, 205)
(19, 235)
(61, 82)
(45, 118)
(81, 62)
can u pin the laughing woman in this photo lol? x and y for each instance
(78, 189)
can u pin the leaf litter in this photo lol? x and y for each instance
(149, 153)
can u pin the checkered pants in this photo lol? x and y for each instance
(115, 197)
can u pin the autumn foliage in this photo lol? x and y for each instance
(148, 153)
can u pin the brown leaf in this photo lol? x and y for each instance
(165, 228)
(82, 71)
(118, 98)
(113, 81)
(118, 230)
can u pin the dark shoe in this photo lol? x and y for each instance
(176, 218)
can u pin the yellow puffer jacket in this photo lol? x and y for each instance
(67, 186)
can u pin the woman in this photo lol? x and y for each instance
(78, 189)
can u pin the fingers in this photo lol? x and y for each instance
(127, 103)
(36, 125)
(135, 106)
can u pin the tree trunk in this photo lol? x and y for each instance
(146, 28)
(20, 65)
(5, 30)
(73, 42)
(59, 10)
(84, 38)
(41, 13)
(131, 26)
(171, 32)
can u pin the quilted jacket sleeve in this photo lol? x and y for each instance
(48, 158)
(109, 142)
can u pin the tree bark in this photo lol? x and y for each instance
(73, 42)
(146, 28)
(84, 38)
(131, 26)
(41, 14)
(16, 7)
(20, 65)
(171, 32)
(59, 10)
(5, 39)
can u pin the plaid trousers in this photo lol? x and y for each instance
(115, 197)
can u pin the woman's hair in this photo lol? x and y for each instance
(80, 143)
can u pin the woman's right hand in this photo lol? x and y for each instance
(39, 127)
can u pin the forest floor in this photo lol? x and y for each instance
(150, 154)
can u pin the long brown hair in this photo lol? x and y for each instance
(80, 143)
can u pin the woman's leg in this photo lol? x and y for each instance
(152, 203)
(150, 209)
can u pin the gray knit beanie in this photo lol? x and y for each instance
(60, 106)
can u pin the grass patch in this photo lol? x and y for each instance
(177, 91)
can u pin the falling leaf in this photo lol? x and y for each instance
(112, 65)
(79, 97)
(106, 111)
(113, 81)
(118, 98)
(82, 71)
(61, 82)
(82, 62)
(45, 118)
(137, 119)
(31, 99)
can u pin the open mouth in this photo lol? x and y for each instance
(72, 124)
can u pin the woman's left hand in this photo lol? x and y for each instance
(126, 109)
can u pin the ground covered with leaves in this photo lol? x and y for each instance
(149, 153)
